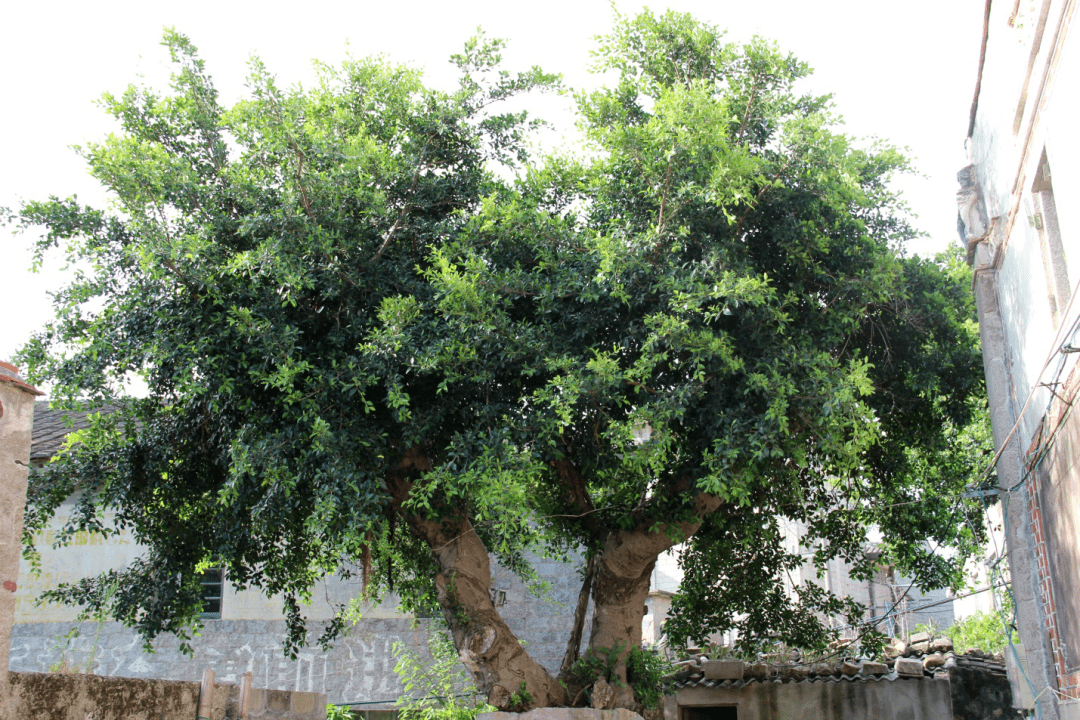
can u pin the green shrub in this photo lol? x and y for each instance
(587, 668)
(648, 670)
(984, 631)
(436, 689)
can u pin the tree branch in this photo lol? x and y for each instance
(573, 645)
(577, 494)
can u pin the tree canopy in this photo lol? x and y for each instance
(377, 333)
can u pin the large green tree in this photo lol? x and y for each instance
(365, 346)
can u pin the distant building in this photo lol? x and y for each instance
(1019, 219)
(894, 604)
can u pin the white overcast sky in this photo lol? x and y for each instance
(904, 72)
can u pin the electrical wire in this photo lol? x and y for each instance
(1056, 348)
(1034, 460)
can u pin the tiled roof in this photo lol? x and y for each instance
(987, 665)
(802, 674)
(52, 426)
(701, 682)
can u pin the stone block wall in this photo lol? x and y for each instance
(359, 668)
(55, 696)
(68, 696)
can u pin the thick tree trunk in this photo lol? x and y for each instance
(619, 594)
(487, 647)
(621, 588)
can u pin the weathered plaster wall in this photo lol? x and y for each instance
(1006, 157)
(898, 699)
(90, 554)
(978, 695)
(358, 668)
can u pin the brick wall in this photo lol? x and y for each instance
(1053, 497)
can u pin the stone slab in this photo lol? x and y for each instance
(908, 667)
(723, 669)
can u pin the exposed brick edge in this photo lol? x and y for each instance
(1068, 682)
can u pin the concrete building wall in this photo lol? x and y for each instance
(90, 554)
(1026, 253)
(657, 609)
(900, 699)
(1006, 163)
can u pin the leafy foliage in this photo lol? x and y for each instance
(338, 712)
(64, 647)
(591, 666)
(291, 225)
(435, 689)
(648, 672)
(702, 324)
(983, 631)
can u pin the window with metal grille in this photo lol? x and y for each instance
(212, 585)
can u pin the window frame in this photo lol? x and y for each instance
(219, 583)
